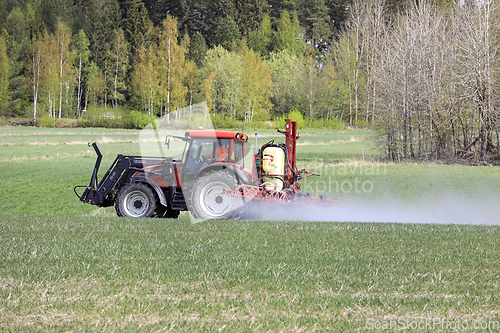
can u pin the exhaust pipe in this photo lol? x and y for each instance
(256, 150)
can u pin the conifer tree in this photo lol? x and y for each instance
(227, 33)
(261, 40)
(284, 38)
(197, 49)
(131, 28)
(4, 76)
(318, 31)
(16, 37)
(249, 15)
(99, 31)
(136, 27)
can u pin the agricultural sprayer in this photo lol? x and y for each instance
(211, 179)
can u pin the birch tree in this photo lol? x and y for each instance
(35, 71)
(374, 28)
(48, 81)
(285, 70)
(119, 55)
(81, 61)
(410, 82)
(63, 39)
(145, 80)
(96, 84)
(329, 89)
(256, 87)
(477, 29)
(171, 57)
(310, 82)
(191, 81)
(222, 74)
(355, 49)
(358, 51)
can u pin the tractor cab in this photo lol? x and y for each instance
(213, 149)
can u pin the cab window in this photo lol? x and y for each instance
(237, 154)
(205, 151)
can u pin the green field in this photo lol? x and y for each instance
(67, 266)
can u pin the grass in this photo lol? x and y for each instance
(68, 266)
(125, 275)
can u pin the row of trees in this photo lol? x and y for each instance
(435, 76)
(106, 36)
(246, 72)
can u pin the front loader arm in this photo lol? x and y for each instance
(93, 180)
(122, 172)
(90, 195)
(96, 192)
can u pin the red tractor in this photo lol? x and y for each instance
(211, 179)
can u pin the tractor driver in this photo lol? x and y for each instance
(221, 152)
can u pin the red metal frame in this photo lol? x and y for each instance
(291, 137)
(292, 192)
(258, 193)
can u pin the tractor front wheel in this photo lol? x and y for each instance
(206, 200)
(135, 200)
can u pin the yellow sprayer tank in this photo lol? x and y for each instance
(273, 164)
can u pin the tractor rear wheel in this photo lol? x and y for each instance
(206, 201)
(135, 200)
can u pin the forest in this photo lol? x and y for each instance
(424, 74)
